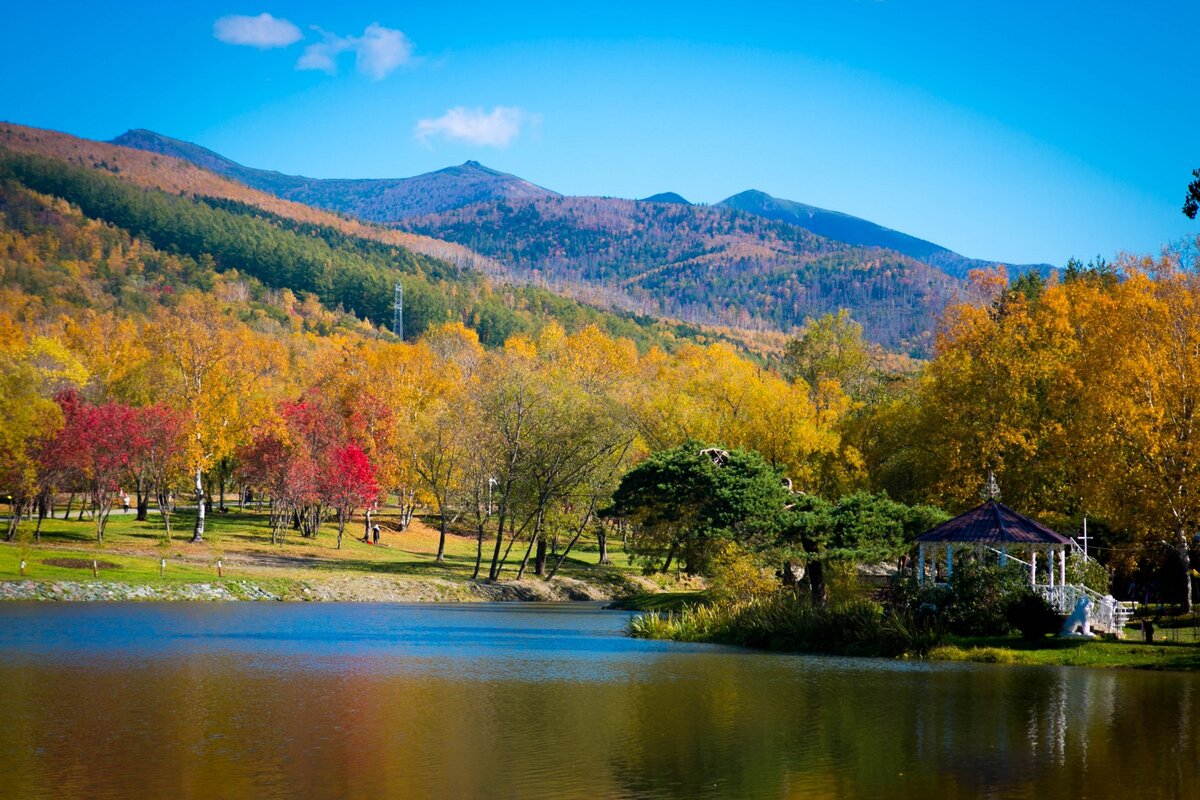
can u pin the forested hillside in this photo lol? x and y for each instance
(178, 177)
(854, 230)
(704, 264)
(199, 236)
(181, 177)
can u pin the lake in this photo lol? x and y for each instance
(275, 700)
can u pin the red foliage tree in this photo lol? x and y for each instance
(104, 444)
(57, 460)
(310, 470)
(349, 483)
(160, 454)
(263, 464)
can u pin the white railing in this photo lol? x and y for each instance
(1105, 613)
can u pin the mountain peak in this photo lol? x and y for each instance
(471, 170)
(750, 197)
(666, 197)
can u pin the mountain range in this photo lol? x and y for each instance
(388, 200)
(751, 262)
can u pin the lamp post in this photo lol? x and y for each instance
(491, 482)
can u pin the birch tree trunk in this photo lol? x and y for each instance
(1185, 564)
(198, 534)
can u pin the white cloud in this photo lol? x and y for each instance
(323, 55)
(472, 125)
(263, 31)
(378, 52)
(381, 50)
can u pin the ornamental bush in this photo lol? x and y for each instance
(1032, 615)
(976, 602)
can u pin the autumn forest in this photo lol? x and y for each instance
(183, 345)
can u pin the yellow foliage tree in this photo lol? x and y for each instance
(218, 372)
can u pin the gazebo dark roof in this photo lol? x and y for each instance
(993, 523)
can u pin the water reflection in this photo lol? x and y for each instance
(411, 702)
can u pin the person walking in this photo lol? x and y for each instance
(375, 533)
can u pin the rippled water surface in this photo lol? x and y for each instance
(539, 701)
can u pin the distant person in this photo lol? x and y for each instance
(375, 533)
(125, 502)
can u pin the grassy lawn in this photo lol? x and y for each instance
(113, 566)
(242, 541)
(1072, 652)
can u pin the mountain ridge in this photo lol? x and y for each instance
(393, 200)
(370, 199)
(856, 230)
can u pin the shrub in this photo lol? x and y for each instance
(981, 655)
(975, 603)
(842, 581)
(1089, 572)
(980, 595)
(737, 576)
(914, 632)
(1031, 615)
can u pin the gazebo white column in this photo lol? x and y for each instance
(1050, 564)
(921, 564)
(1062, 566)
(949, 563)
(1033, 566)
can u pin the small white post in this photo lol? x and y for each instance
(162, 568)
(219, 573)
(95, 569)
(1003, 557)
(921, 565)
(949, 562)
(1085, 552)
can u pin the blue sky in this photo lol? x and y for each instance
(1015, 131)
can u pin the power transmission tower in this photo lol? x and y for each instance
(398, 311)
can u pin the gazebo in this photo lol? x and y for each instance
(994, 527)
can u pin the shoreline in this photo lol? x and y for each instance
(340, 589)
(1095, 654)
(1164, 653)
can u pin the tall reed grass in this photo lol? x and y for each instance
(785, 622)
